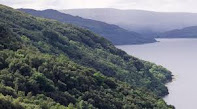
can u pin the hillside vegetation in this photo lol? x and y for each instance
(49, 65)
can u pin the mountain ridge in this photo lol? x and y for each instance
(144, 22)
(114, 33)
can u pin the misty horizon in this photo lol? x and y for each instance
(149, 5)
(112, 9)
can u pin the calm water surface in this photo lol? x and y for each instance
(180, 57)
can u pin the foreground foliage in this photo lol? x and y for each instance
(46, 64)
(32, 79)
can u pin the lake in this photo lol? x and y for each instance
(180, 57)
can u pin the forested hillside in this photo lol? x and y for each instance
(113, 33)
(49, 65)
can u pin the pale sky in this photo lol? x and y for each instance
(152, 5)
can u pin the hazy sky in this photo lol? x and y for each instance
(154, 5)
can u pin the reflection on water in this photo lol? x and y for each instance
(180, 57)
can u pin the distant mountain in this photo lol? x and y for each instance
(115, 34)
(143, 22)
(188, 32)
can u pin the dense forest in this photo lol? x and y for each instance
(45, 64)
(113, 33)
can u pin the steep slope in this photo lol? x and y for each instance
(188, 32)
(143, 22)
(47, 64)
(113, 33)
